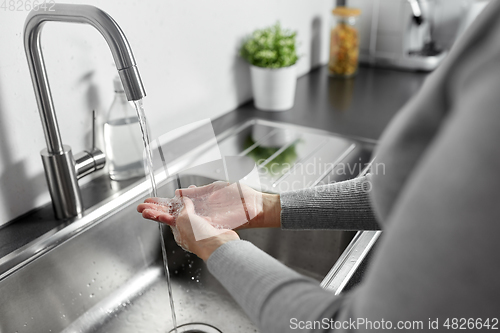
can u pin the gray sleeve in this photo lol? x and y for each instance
(270, 293)
(343, 206)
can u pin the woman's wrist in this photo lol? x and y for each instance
(271, 212)
(269, 217)
(210, 245)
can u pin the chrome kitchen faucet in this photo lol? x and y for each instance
(62, 170)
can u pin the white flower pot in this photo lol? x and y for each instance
(274, 88)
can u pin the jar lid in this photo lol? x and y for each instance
(346, 11)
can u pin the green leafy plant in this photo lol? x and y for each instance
(271, 47)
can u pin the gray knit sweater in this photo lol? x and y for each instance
(438, 204)
(344, 206)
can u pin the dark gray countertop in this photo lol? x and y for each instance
(360, 107)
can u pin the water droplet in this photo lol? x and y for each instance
(91, 295)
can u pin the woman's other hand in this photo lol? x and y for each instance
(192, 232)
(202, 217)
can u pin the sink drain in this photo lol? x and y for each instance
(196, 328)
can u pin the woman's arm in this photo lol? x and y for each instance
(343, 206)
(271, 294)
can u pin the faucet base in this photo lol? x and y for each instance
(60, 173)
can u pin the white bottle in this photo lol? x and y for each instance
(123, 138)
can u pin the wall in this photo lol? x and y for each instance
(186, 52)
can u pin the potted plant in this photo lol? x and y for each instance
(271, 52)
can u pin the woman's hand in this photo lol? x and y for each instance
(196, 234)
(202, 217)
(225, 205)
(192, 232)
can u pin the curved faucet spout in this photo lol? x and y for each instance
(120, 48)
(58, 160)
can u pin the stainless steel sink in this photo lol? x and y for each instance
(103, 272)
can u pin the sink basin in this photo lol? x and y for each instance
(108, 275)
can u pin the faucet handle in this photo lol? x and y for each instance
(87, 162)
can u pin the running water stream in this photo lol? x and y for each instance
(149, 163)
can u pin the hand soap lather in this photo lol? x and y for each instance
(61, 170)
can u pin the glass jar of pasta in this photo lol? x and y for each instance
(344, 42)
